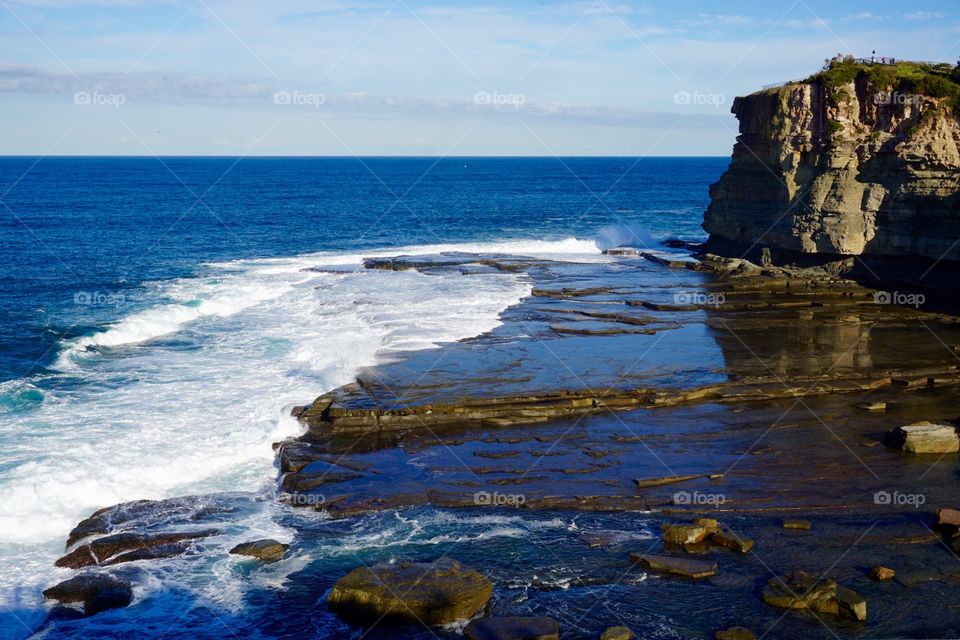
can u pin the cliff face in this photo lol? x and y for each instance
(841, 170)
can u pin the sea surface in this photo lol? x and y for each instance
(158, 318)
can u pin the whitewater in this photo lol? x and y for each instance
(186, 393)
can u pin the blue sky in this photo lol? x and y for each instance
(420, 77)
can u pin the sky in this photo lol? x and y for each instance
(421, 77)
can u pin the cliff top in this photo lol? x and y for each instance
(937, 80)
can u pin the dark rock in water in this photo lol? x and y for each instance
(617, 633)
(97, 592)
(127, 546)
(803, 525)
(268, 550)
(187, 508)
(800, 590)
(924, 437)
(735, 633)
(513, 628)
(434, 593)
(695, 569)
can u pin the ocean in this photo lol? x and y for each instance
(160, 316)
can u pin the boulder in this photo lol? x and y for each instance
(710, 524)
(800, 590)
(881, 573)
(617, 633)
(797, 524)
(735, 633)
(513, 628)
(948, 520)
(924, 437)
(684, 533)
(695, 569)
(730, 540)
(434, 593)
(268, 550)
(97, 591)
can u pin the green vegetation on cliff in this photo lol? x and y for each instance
(919, 78)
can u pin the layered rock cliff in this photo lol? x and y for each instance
(830, 169)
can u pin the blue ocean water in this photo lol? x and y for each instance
(151, 304)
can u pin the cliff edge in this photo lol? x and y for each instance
(858, 166)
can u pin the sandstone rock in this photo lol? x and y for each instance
(948, 519)
(877, 183)
(874, 406)
(513, 628)
(735, 633)
(684, 533)
(800, 590)
(710, 524)
(268, 550)
(924, 437)
(97, 592)
(730, 540)
(881, 573)
(617, 633)
(434, 593)
(797, 524)
(695, 569)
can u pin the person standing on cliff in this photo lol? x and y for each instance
(873, 56)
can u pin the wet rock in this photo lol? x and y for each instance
(924, 437)
(128, 546)
(874, 406)
(316, 474)
(881, 573)
(803, 525)
(695, 569)
(656, 482)
(434, 593)
(801, 590)
(513, 628)
(710, 524)
(617, 633)
(97, 592)
(735, 633)
(683, 533)
(268, 550)
(948, 520)
(730, 540)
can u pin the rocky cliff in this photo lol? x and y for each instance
(847, 167)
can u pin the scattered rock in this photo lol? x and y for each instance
(97, 591)
(268, 550)
(513, 628)
(881, 573)
(730, 540)
(797, 524)
(434, 593)
(684, 533)
(695, 569)
(924, 437)
(128, 546)
(735, 633)
(617, 633)
(800, 590)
